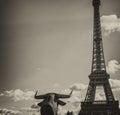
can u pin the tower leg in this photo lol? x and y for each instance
(90, 92)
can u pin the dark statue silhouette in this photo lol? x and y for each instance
(70, 113)
(49, 105)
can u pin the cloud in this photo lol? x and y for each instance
(18, 95)
(5, 111)
(110, 23)
(1, 94)
(33, 110)
(115, 84)
(73, 103)
(100, 95)
(113, 66)
(78, 87)
(61, 111)
(35, 106)
(29, 109)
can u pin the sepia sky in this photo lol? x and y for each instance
(46, 45)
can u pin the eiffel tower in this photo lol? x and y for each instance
(98, 76)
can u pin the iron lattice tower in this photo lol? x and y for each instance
(98, 76)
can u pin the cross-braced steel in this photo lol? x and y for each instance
(98, 76)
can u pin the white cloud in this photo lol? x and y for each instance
(35, 106)
(33, 110)
(73, 103)
(5, 111)
(18, 95)
(113, 66)
(78, 87)
(115, 84)
(29, 109)
(100, 95)
(110, 23)
(61, 111)
(1, 94)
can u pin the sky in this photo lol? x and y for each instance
(46, 46)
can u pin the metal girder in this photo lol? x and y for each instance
(98, 76)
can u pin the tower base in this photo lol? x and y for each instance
(99, 108)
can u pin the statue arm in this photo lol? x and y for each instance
(39, 96)
(61, 102)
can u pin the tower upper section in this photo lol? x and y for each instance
(98, 61)
(96, 3)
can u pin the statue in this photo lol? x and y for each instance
(69, 113)
(49, 105)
